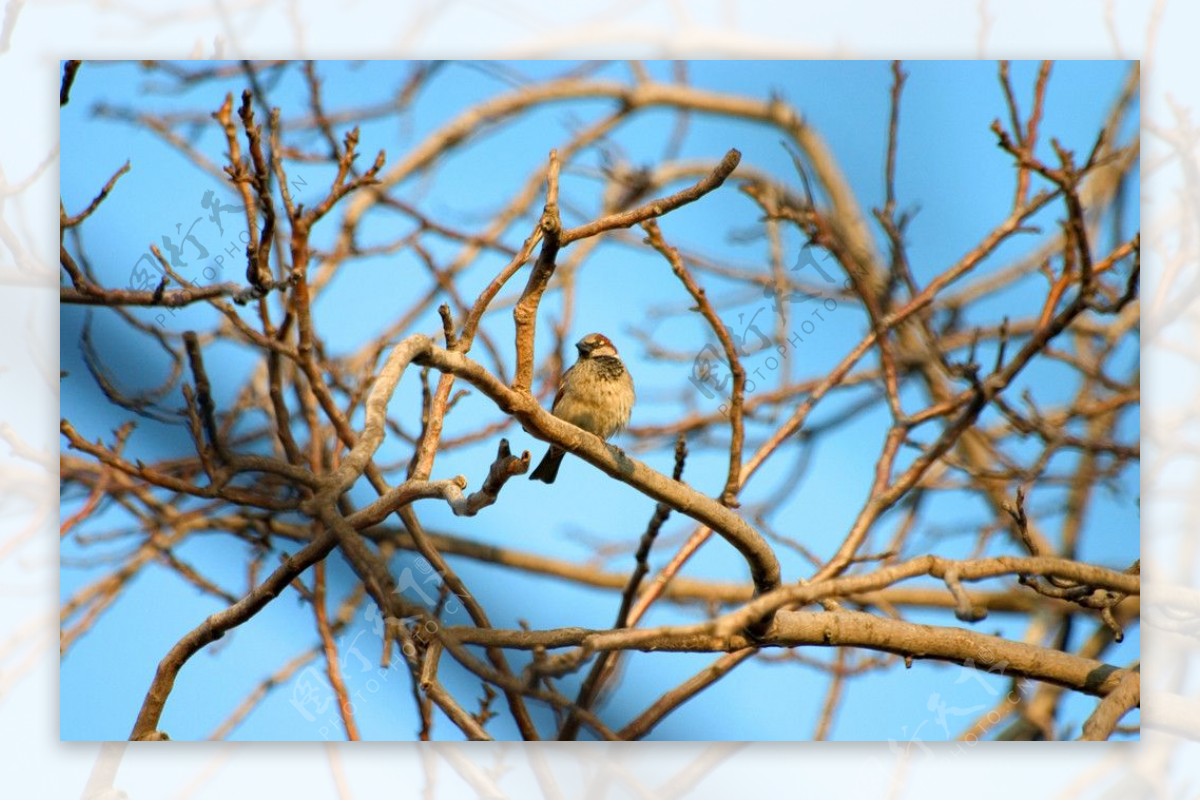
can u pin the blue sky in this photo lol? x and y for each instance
(949, 166)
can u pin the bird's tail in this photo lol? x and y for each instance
(547, 469)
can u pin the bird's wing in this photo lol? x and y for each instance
(562, 387)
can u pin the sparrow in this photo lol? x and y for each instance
(596, 394)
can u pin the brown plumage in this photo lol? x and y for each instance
(596, 394)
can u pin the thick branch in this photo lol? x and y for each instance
(838, 629)
(525, 312)
(215, 626)
(1103, 721)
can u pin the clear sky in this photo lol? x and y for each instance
(949, 166)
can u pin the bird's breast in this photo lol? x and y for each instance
(597, 397)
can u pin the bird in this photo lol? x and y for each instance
(596, 394)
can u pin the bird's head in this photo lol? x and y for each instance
(594, 345)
